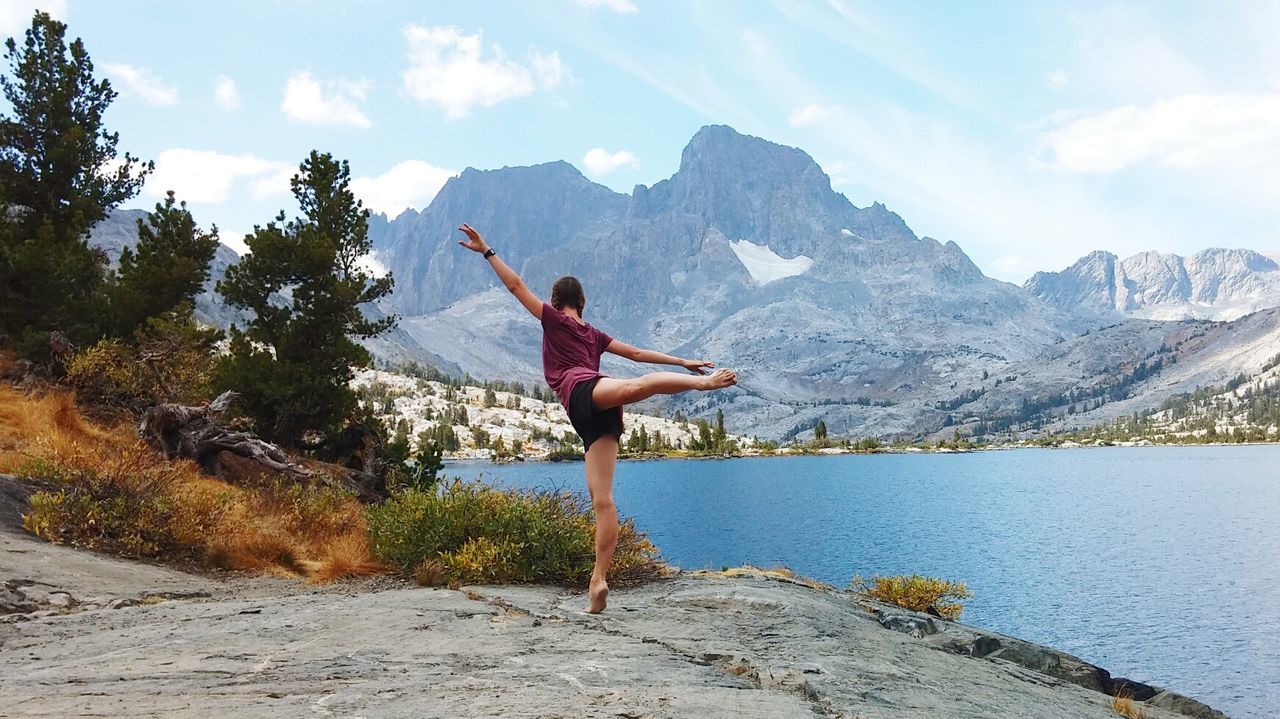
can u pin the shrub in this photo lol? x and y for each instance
(917, 593)
(482, 560)
(423, 473)
(170, 360)
(479, 533)
(124, 505)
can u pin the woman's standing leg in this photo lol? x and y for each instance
(601, 459)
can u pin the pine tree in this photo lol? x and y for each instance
(167, 268)
(820, 431)
(59, 175)
(292, 364)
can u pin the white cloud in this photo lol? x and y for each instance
(207, 176)
(412, 183)
(626, 7)
(454, 72)
(328, 102)
(15, 15)
(599, 162)
(811, 114)
(225, 93)
(548, 69)
(234, 239)
(1188, 132)
(1057, 79)
(143, 83)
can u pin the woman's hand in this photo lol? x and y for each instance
(697, 366)
(474, 242)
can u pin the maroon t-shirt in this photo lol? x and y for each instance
(570, 351)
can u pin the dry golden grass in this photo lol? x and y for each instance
(344, 556)
(45, 424)
(281, 528)
(253, 548)
(430, 573)
(780, 573)
(1123, 705)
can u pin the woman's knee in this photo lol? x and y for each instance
(633, 390)
(602, 503)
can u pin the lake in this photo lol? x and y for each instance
(1161, 564)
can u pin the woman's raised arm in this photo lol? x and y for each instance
(510, 279)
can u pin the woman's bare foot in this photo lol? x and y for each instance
(599, 595)
(721, 378)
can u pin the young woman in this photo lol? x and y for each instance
(571, 351)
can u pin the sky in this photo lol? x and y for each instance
(1028, 133)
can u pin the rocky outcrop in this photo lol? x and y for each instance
(24, 600)
(965, 640)
(741, 644)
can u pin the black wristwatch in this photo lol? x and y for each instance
(489, 253)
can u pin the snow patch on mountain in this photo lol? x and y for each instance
(371, 264)
(765, 266)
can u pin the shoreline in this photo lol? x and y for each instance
(836, 452)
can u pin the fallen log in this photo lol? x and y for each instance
(193, 432)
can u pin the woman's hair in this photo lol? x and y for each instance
(567, 292)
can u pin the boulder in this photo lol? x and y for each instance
(13, 601)
(1056, 664)
(1185, 705)
(914, 624)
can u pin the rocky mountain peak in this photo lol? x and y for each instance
(748, 189)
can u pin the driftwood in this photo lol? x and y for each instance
(193, 432)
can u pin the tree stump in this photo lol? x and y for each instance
(193, 432)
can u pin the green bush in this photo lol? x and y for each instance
(482, 534)
(917, 593)
(94, 511)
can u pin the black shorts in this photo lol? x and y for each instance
(589, 422)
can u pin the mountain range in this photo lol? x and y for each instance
(747, 257)
(1216, 283)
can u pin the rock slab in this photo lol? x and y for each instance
(691, 646)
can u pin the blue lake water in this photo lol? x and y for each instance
(1161, 564)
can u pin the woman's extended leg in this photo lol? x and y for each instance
(601, 458)
(610, 392)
